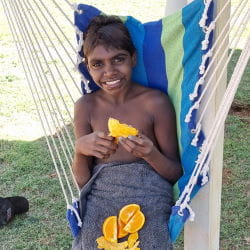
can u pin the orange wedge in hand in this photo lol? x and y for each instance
(135, 223)
(109, 229)
(117, 129)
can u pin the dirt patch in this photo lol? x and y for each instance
(226, 176)
(242, 110)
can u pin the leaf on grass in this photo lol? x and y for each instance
(53, 175)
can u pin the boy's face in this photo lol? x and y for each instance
(110, 68)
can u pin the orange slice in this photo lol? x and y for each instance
(109, 229)
(121, 232)
(104, 244)
(132, 238)
(135, 223)
(127, 212)
(117, 129)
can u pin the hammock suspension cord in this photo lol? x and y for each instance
(210, 81)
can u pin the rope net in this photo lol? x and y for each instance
(44, 35)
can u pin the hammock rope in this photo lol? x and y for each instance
(31, 80)
(223, 35)
(48, 65)
(221, 115)
(59, 40)
(57, 26)
(64, 14)
(233, 45)
(25, 37)
(50, 70)
(237, 36)
(48, 87)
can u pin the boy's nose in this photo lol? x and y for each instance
(109, 70)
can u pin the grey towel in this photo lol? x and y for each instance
(114, 185)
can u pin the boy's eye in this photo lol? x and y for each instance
(119, 59)
(96, 65)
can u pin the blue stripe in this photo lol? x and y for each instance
(82, 21)
(191, 62)
(153, 52)
(88, 13)
(137, 33)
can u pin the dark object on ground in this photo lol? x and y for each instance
(10, 206)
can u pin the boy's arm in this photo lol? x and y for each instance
(165, 160)
(163, 157)
(81, 163)
(89, 144)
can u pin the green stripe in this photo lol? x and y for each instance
(172, 43)
(123, 18)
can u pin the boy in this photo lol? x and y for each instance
(139, 169)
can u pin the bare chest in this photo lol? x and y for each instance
(134, 115)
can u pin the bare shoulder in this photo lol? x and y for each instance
(155, 99)
(82, 110)
(87, 99)
(85, 103)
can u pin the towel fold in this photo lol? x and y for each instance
(114, 185)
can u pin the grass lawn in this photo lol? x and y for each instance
(26, 167)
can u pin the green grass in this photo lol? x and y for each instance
(26, 167)
(235, 191)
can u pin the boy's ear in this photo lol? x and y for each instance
(134, 59)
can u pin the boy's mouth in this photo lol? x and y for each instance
(110, 83)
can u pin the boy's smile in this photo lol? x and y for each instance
(110, 68)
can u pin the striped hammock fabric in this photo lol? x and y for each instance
(172, 55)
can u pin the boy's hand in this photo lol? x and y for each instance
(97, 144)
(139, 146)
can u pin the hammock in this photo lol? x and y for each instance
(167, 61)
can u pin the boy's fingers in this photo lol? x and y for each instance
(98, 154)
(124, 144)
(130, 146)
(107, 143)
(136, 139)
(105, 136)
(104, 150)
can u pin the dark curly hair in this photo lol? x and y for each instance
(108, 31)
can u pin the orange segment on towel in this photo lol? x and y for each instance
(132, 239)
(121, 232)
(129, 221)
(117, 129)
(135, 223)
(109, 229)
(127, 212)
